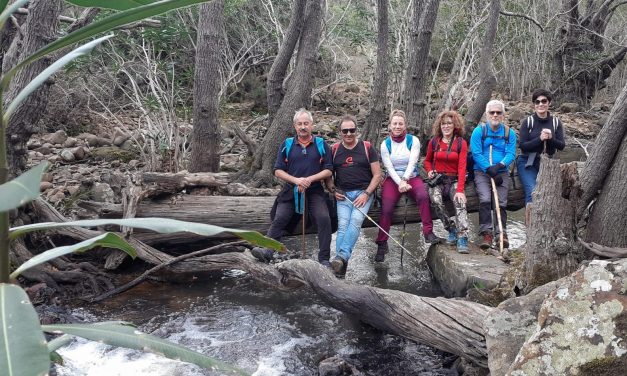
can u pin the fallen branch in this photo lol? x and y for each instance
(603, 251)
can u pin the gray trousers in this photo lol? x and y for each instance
(484, 190)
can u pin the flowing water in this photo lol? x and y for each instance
(266, 332)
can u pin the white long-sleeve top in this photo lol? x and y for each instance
(401, 162)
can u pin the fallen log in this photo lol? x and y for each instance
(253, 213)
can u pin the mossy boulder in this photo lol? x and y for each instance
(113, 153)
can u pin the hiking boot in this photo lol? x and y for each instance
(382, 249)
(325, 263)
(262, 254)
(431, 238)
(339, 266)
(452, 236)
(486, 241)
(462, 245)
(505, 240)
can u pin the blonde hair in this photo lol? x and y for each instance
(398, 112)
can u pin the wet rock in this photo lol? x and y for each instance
(336, 366)
(581, 326)
(102, 192)
(44, 186)
(70, 142)
(510, 325)
(56, 138)
(67, 155)
(569, 107)
(515, 115)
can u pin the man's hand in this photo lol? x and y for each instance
(361, 200)
(498, 180)
(302, 183)
(494, 169)
(339, 194)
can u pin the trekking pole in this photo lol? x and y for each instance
(404, 233)
(303, 250)
(498, 209)
(380, 228)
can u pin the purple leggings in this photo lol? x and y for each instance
(389, 198)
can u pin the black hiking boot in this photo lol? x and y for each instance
(262, 254)
(339, 266)
(432, 238)
(382, 249)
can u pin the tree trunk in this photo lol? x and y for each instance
(549, 252)
(581, 61)
(205, 155)
(487, 80)
(39, 29)
(278, 71)
(298, 94)
(608, 164)
(378, 99)
(416, 77)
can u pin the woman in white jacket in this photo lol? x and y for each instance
(399, 153)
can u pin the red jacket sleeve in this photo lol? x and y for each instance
(461, 167)
(429, 157)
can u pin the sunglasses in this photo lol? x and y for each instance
(348, 130)
(543, 101)
(493, 113)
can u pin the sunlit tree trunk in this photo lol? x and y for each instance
(206, 137)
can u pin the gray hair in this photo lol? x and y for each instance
(495, 102)
(301, 111)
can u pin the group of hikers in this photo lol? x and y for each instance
(351, 170)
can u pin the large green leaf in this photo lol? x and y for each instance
(3, 4)
(23, 349)
(105, 24)
(109, 240)
(23, 189)
(6, 13)
(161, 225)
(111, 4)
(126, 335)
(46, 73)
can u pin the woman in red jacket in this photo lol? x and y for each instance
(446, 168)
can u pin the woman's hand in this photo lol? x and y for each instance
(460, 197)
(338, 195)
(431, 174)
(404, 187)
(546, 134)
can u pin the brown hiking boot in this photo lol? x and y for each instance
(382, 249)
(486, 241)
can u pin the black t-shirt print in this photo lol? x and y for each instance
(352, 168)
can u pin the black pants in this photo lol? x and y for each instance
(316, 210)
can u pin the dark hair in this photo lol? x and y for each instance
(458, 123)
(346, 118)
(541, 93)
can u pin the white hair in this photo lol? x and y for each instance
(495, 102)
(301, 111)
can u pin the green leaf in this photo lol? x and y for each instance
(111, 4)
(23, 189)
(126, 335)
(109, 240)
(161, 225)
(23, 349)
(46, 73)
(56, 344)
(105, 24)
(6, 13)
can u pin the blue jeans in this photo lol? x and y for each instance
(349, 220)
(528, 176)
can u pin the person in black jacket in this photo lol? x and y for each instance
(539, 133)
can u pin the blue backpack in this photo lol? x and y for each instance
(290, 141)
(409, 140)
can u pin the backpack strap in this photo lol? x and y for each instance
(484, 133)
(506, 133)
(288, 146)
(320, 145)
(334, 148)
(409, 141)
(530, 123)
(367, 149)
(555, 124)
(388, 144)
(459, 144)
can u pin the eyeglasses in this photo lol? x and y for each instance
(348, 130)
(495, 113)
(448, 123)
(543, 101)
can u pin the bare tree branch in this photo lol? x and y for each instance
(510, 14)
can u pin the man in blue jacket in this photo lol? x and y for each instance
(493, 138)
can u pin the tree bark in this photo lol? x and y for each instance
(378, 99)
(39, 29)
(416, 77)
(487, 80)
(278, 71)
(549, 251)
(205, 155)
(298, 94)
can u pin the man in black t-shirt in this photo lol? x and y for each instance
(357, 174)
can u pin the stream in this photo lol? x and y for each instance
(265, 332)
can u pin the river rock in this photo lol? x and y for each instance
(44, 150)
(509, 325)
(70, 142)
(102, 192)
(56, 138)
(119, 137)
(33, 143)
(569, 107)
(73, 189)
(67, 155)
(127, 145)
(582, 325)
(336, 366)
(54, 159)
(56, 197)
(47, 176)
(44, 186)
(80, 152)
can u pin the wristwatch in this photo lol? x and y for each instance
(367, 193)
(404, 178)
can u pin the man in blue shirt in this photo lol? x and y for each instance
(492, 137)
(302, 162)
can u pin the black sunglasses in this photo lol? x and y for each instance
(348, 130)
(543, 101)
(494, 113)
